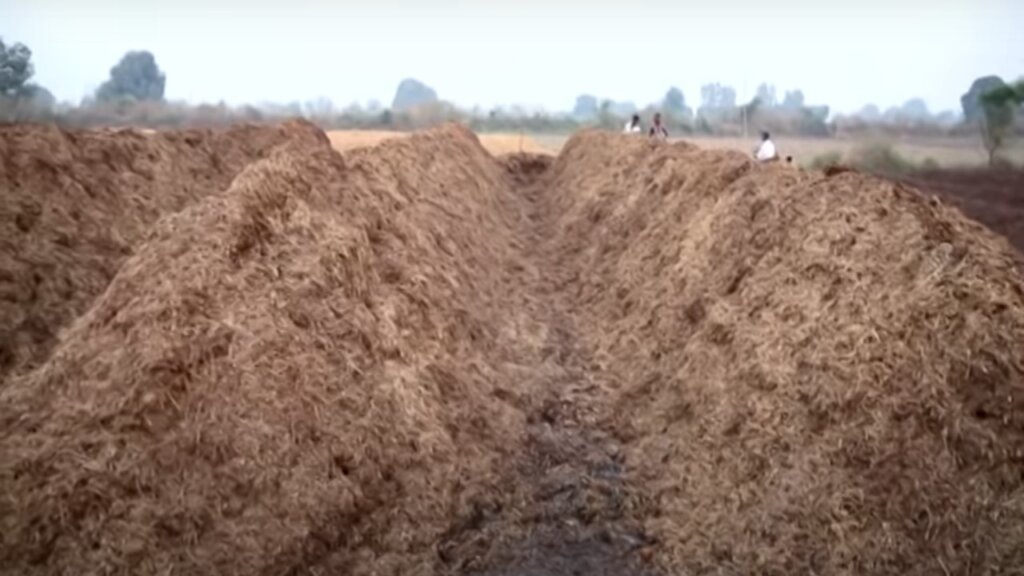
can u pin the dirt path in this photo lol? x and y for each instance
(570, 511)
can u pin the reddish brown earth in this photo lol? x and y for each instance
(994, 197)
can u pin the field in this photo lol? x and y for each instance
(992, 197)
(243, 352)
(947, 152)
(496, 144)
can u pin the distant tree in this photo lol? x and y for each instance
(15, 68)
(793, 100)
(766, 95)
(135, 77)
(605, 117)
(947, 118)
(320, 108)
(353, 109)
(915, 109)
(19, 98)
(586, 107)
(703, 125)
(38, 95)
(751, 108)
(748, 111)
(717, 96)
(892, 114)
(998, 107)
(674, 101)
(813, 121)
(819, 113)
(411, 93)
(870, 113)
(971, 101)
(623, 109)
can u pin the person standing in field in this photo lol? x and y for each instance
(766, 151)
(658, 130)
(633, 126)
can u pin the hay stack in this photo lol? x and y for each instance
(817, 375)
(296, 376)
(75, 203)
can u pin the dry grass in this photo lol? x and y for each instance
(330, 365)
(815, 374)
(303, 374)
(344, 140)
(75, 203)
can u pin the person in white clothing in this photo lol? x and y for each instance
(633, 126)
(766, 151)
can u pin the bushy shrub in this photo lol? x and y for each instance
(822, 161)
(880, 158)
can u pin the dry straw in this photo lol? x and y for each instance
(298, 375)
(276, 359)
(76, 203)
(815, 374)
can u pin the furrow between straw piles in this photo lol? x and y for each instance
(815, 374)
(75, 204)
(300, 375)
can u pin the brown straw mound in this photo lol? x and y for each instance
(75, 203)
(298, 375)
(816, 375)
(417, 359)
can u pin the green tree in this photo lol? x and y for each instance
(870, 113)
(20, 99)
(605, 117)
(715, 96)
(915, 109)
(586, 107)
(15, 68)
(793, 100)
(135, 77)
(998, 109)
(674, 101)
(971, 101)
(766, 95)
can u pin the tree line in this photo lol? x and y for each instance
(134, 93)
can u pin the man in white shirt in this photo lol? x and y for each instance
(766, 151)
(633, 126)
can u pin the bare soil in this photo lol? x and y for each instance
(994, 197)
(576, 512)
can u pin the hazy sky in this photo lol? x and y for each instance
(532, 52)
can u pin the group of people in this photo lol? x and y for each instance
(657, 129)
(765, 152)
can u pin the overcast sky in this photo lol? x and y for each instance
(531, 52)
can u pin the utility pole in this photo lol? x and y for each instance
(744, 108)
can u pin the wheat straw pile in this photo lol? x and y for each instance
(296, 375)
(815, 375)
(75, 203)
